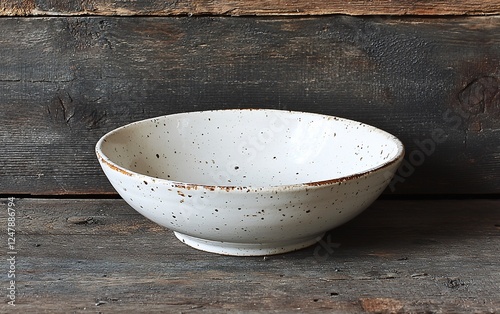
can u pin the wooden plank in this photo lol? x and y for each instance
(247, 7)
(398, 256)
(66, 81)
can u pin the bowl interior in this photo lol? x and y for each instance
(249, 148)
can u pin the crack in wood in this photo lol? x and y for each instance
(62, 108)
(66, 116)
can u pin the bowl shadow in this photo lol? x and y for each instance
(396, 229)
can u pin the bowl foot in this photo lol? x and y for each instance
(247, 249)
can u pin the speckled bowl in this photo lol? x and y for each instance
(249, 182)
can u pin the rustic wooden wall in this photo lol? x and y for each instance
(432, 79)
(248, 7)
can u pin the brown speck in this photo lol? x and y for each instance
(381, 305)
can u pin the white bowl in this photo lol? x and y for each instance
(249, 182)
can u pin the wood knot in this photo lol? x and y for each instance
(65, 110)
(479, 103)
(482, 95)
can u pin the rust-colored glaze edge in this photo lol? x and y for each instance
(227, 188)
(114, 167)
(339, 180)
(357, 175)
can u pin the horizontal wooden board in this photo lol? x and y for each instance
(66, 81)
(247, 7)
(397, 257)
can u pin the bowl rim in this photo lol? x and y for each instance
(103, 159)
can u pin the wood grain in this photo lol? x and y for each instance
(398, 256)
(66, 81)
(247, 7)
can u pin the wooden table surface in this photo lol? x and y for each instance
(99, 255)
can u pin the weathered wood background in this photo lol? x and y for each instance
(67, 78)
(427, 71)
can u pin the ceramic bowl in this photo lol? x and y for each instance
(249, 182)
